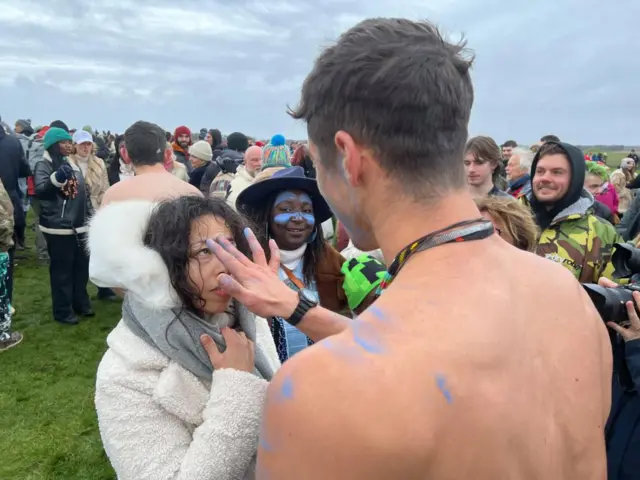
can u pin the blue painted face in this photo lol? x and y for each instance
(292, 219)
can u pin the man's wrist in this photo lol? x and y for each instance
(289, 304)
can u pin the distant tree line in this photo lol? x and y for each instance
(607, 148)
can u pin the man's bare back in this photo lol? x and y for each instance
(154, 186)
(496, 367)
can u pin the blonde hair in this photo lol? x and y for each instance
(517, 220)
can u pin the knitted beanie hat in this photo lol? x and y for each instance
(59, 124)
(276, 153)
(201, 150)
(238, 141)
(182, 131)
(55, 135)
(362, 275)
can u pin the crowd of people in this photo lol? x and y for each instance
(274, 292)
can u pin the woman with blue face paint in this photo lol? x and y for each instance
(289, 208)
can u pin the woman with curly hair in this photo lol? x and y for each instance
(179, 392)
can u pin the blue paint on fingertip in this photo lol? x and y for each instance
(441, 382)
(211, 245)
(247, 232)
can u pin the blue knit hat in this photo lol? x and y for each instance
(55, 135)
(276, 153)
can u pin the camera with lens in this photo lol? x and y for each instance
(611, 302)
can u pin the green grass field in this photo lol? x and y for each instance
(48, 422)
(614, 158)
(47, 418)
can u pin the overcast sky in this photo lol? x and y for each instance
(568, 67)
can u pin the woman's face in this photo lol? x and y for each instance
(204, 267)
(593, 183)
(499, 228)
(292, 220)
(84, 149)
(196, 162)
(65, 147)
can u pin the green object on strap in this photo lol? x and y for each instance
(362, 275)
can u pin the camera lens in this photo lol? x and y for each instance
(610, 302)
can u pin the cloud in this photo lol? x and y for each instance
(541, 67)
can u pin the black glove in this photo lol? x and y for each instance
(64, 173)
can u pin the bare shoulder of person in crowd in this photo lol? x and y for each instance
(153, 187)
(424, 384)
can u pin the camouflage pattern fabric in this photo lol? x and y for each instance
(5, 305)
(579, 241)
(6, 220)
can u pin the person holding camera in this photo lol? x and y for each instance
(65, 208)
(623, 427)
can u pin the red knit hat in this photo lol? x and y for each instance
(43, 130)
(182, 131)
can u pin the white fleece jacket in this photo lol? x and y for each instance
(157, 420)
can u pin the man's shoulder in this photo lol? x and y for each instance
(332, 397)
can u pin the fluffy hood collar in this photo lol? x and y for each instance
(119, 259)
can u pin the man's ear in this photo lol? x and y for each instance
(124, 155)
(350, 157)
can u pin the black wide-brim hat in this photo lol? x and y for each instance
(292, 178)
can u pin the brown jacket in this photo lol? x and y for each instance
(329, 280)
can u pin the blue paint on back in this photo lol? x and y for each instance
(377, 313)
(441, 382)
(367, 340)
(286, 390)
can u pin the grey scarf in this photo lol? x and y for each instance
(176, 333)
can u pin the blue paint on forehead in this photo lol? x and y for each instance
(288, 196)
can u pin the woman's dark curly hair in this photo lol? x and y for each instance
(262, 219)
(168, 234)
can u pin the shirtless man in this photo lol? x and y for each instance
(144, 146)
(478, 361)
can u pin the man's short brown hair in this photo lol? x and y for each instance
(398, 87)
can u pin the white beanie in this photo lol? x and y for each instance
(202, 150)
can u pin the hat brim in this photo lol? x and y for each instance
(254, 195)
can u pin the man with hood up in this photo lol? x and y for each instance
(181, 143)
(572, 235)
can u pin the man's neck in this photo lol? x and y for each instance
(144, 169)
(481, 191)
(401, 224)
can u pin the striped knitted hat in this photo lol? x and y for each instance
(276, 153)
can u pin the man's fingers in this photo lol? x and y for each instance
(234, 266)
(256, 249)
(274, 262)
(621, 330)
(632, 312)
(605, 282)
(231, 249)
(232, 287)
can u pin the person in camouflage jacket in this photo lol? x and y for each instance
(571, 234)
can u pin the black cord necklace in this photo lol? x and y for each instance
(465, 231)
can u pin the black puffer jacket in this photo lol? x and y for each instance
(56, 218)
(13, 166)
(229, 161)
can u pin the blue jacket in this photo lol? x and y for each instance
(623, 427)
